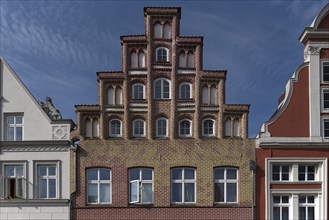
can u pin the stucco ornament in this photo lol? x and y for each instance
(50, 109)
(314, 50)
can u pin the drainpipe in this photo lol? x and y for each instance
(74, 147)
(252, 167)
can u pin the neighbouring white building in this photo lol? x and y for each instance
(34, 154)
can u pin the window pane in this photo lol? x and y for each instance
(42, 188)
(19, 120)
(134, 187)
(10, 120)
(134, 174)
(310, 199)
(302, 213)
(301, 169)
(104, 192)
(285, 169)
(285, 213)
(302, 199)
(92, 193)
(285, 199)
(19, 171)
(177, 174)
(52, 171)
(219, 192)
(189, 173)
(231, 174)
(147, 192)
(276, 169)
(92, 174)
(276, 213)
(301, 176)
(310, 176)
(19, 133)
(146, 174)
(231, 192)
(165, 89)
(11, 134)
(105, 174)
(189, 192)
(276, 199)
(219, 174)
(42, 171)
(176, 192)
(310, 214)
(285, 176)
(276, 176)
(52, 188)
(10, 170)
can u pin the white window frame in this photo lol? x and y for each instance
(225, 181)
(323, 91)
(307, 205)
(306, 172)
(47, 177)
(110, 126)
(15, 125)
(280, 205)
(162, 88)
(183, 181)
(139, 186)
(157, 127)
(324, 120)
(156, 54)
(179, 128)
(324, 63)
(213, 127)
(133, 91)
(281, 173)
(98, 182)
(181, 90)
(144, 128)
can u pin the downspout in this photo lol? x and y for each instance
(252, 167)
(74, 147)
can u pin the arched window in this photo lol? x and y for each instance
(162, 127)
(204, 95)
(141, 59)
(89, 131)
(182, 60)
(95, 127)
(228, 127)
(139, 128)
(110, 96)
(185, 128)
(166, 31)
(226, 185)
(157, 30)
(190, 59)
(162, 88)
(134, 59)
(118, 96)
(208, 127)
(213, 95)
(236, 128)
(138, 91)
(185, 90)
(115, 128)
(99, 186)
(162, 54)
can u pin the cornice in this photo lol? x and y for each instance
(28, 146)
(43, 202)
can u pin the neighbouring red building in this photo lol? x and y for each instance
(292, 149)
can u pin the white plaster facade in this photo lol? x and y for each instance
(34, 155)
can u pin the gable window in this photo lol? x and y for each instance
(213, 95)
(236, 128)
(138, 91)
(306, 207)
(118, 96)
(205, 95)
(141, 59)
(183, 185)
(306, 172)
(162, 89)
(162, 31)
(226, 185)
(139, 128)
(141, 185)
(185, 91)
(110, 95)
(95, 124)
(14, 127)
(99, 186)
(134, 59)
(182, 59)
(166, 31)
(185, 128)
(326, 128)
(157, 30)
(325, 71)
(208, 128)
(162, 127)
(280, 172)
(190, 59)
(228, 127)
(162, 54)
(115, 128)
(12, 183)
(47, 181)
(280, 207)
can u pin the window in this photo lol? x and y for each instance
(190, 59)
(91, 127)
(88, 130)
(161, 89)
(47, 181)
(12, 183)
(166, 31)
(325, 71)
(139, 128)
(208, 128)
(182, 60)
(14, 128)
(95, 127)
(226, 185)
(99, 186)
(306, 207)
(183, 185)
(280, 207)
(157, 30)
(162, 127)
(138, 91)
(185, 128)
(280, 172)
(228, 127)
(118, 96)
(162, 54)
(326, 128)
(185, 91)
(141, 59)
(134, 59)
(141, 185)
(115, 128)
(326, 99)
(162, 31)
(110, 95)
(236, 128)
(306, 172)
(205, 95)
(213, 95)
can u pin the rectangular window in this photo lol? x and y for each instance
(98, 186)
(280, 209)
(141, 185)
(280, 172)
(12, 183)
(306, 172)
(14, 128)
(306, 208)
(326, 128)
(326, 99)
(47, 181)
(226, 185)
(183, 185)
(325, 72)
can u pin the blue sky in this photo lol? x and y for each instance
(56, 47)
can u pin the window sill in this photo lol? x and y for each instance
(226, 204)
(183, 205)
(141, 205)
(164, 99)
(98, 205)
(295, 182)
